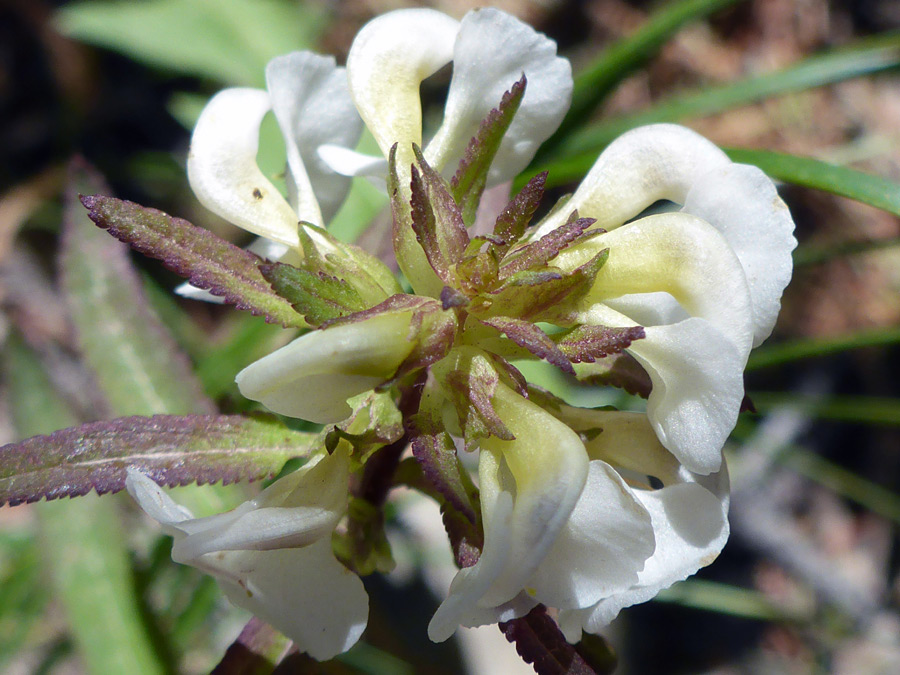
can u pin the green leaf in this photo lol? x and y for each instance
(595, 82)
(726, 599)
(205, 259)
(528, 335)
(786, 352)
(470, 179)
(577, 154)
(172, 449)
(437, 220)
(318, 296)
(226, 40)
(813, 173)
(861, 409)
(83, 542)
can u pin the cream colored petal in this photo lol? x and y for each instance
(640, 167)
(492, 52)
(602, 547)
(698, 386)
(312, 103)
(305, 593)
(690, 523)
(741, 202)
(295, 511)
(678, 254)
(389, 59)
(222, 167)
(313, 376)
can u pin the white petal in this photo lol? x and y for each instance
(387, 62)
(602, 547)
(492, 52)
(305, 593)
(155, 502)
(352, 163)
(679, 254)
(690, 521)
(640, 167)
(529, 487)
(312, 103)
(741, 202)
(222, 167)
(549, 467)
(313, 376)
(698, 386)
(295, 511)
(649, 309)
(191, 292)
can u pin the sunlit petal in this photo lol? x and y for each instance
(492, 52)
(223, 172)
(312, 103)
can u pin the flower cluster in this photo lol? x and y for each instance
(584, 510)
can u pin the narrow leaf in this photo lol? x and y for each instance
(206, 260)
(578, 153)
(171, 449)
(528, 335)
(436, 219)
(512, 222)
(83, 544)
(316, 295)
(595, 82)
(544, 295)
(546, 248)
(469, 181)
(586, 344)
(786, 352)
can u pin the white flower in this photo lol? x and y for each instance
(490, 51)
(705, 281)
(313, 376)
(272, 555)
(576, 525)
(308, 95)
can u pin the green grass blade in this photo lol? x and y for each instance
(846, 483)
(594, 83)
(577, 154)
(726, 599)
(786, 352)
(813, 173)
(859, 409)
(83, 543)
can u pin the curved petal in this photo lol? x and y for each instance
(529, 487)
(601, 549)
(640, 167)
(741, 202)
(222, 167)
(313, 376)
(690, 523)
(698, 386)
(679, 254)
(387, 62)
(294, 511)
(305, 593)
(492, 51)
(312, 103)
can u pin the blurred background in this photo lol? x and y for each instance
(808, 582)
